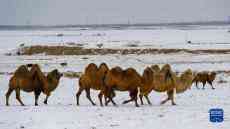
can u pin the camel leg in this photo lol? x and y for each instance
(37, 94)
(133, 95)
(131, 99)
(89, 97)
(171, 96)
(204, 84)
(78, 94)
(147, 98)
(164, 101)
(18, 97)
(100, 95)
(197, 85)
(111, 99)
(141, 99)
(110, 94)
(8, 95)
(210, 82)
(46, 99)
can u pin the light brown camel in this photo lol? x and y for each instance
(92, 78)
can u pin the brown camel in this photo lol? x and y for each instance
(204, 77)
(92, 79)
(28, 81)
(31, 81)
(122, 80)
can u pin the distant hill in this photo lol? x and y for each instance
(26, 27)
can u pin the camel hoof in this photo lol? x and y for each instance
(162, 103)
(124, 102)
(36, 104)
(137, 106)
(173, 104)
(94, 104)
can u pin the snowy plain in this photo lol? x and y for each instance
(191, 111)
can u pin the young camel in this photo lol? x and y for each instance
(204, 77)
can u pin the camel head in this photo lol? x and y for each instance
(55, 74)
(213, 74)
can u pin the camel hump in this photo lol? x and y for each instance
(130, 71)
(91, 68)
(155, 68)
(103, 67)
(166, 67)
(21, 71)
(116, 70)
(147, 74)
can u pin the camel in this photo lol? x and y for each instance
(122, 80)
(164, 81)
(204, 77)
(158, 80)
(30, 81)
(92, 78)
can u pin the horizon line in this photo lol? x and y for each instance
(121, 24)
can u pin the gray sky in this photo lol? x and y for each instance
(54, 12)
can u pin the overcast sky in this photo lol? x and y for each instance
(54, 12)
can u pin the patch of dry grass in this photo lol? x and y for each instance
(77, 50)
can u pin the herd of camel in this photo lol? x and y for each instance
(30, 78)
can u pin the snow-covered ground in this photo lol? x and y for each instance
(208, 37)
(191, 111)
